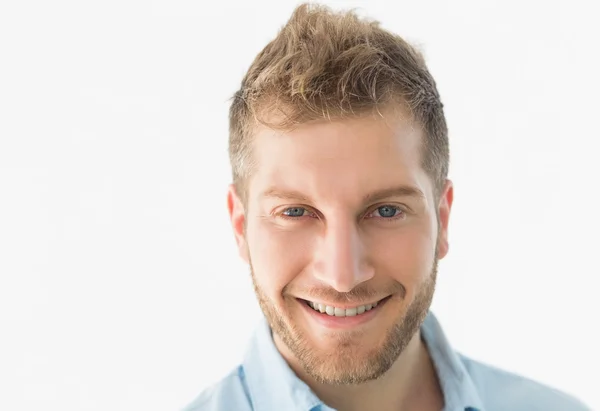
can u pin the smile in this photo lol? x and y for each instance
(343, 312)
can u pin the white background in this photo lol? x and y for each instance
(120, 287)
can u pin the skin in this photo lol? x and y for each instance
(341, 212)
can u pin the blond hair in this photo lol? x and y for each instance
(326, 65)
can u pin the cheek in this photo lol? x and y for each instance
(278, 255)
(406, 255)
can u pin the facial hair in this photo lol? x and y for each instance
(349, 363)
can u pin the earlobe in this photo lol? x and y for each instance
(444, 207)
(237, 217)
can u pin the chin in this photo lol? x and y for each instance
(345, 357)
(347, 364)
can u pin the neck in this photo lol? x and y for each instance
(410, 384)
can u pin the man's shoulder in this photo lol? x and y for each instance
(230, 393)
(503, 390)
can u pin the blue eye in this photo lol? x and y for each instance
(294, 212)
(388, 211)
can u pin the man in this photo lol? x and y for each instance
(340, 205)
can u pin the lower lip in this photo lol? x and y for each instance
(331, 321)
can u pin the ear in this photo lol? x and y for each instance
(444, 206)
(237, 215)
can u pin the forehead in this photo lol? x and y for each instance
(342, 159)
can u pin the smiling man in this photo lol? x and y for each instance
(340, 205)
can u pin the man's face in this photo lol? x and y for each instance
(340, 216)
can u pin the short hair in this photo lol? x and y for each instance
(326, 65)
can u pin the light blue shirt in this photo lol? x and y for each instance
(265, 382)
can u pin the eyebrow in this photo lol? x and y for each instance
(400, 191)
(285, 195)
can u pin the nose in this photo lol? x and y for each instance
(341, 259)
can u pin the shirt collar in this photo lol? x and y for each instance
(458, 387)
(273, 385)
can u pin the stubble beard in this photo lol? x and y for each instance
(349, 363)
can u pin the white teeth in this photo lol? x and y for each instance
(341, 312)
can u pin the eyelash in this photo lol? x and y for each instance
(401, 213)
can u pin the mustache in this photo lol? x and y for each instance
(358, 294)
